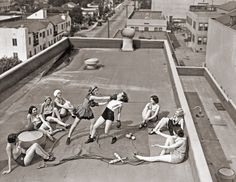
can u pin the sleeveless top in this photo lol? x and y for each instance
(181, 150)
(35, 120)
(47, 109)
(60, 101)
(114, 104)
(152, 107)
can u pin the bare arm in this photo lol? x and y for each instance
(119, 113)
(164, 135)
(155, 114)
(9, 155)
(42, 108)
(173, 146)
(182, 123)
(93, 97)
(45, 122)
(28, 121)
(102, 103)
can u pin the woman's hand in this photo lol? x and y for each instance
(6, 172)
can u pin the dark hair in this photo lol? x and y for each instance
(155, 99)
(180, 132)
(31, 108)
(47, 97)
(124, 97)
(92, 89)
(12, 138)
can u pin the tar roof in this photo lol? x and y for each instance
(147, 15)
(229, 6)
(226, 19)
(56, 19)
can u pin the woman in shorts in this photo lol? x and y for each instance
(108, 116)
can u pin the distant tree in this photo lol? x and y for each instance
(8, 63)
(76, 15)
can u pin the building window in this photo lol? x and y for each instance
(29, 40)
(160, 29)
(62, 26)
(30, 54)
(50, 31)
(194, 24)
(199, 40)
(14, 42)
(189, 21)
(145, 28)
(204, 40)
(35, 51)
(156, 29)
(43, 34)
(201, 27)
(47, 32)
(136, 28)
(193, 38)
(206, 26)
(40, 48)
(15, 55)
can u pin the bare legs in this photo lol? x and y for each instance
(163, 157)
(162, 123)
(35, 149)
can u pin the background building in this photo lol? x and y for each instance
(197, 25)
(179, 8)
(146, 20)
(27, 37)
(221, 52)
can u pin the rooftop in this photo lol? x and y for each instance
(226, 19)
(147, 14)
(229, 6)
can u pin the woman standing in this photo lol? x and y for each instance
(84, 110)
(108, 116)
(150, 111)
(50, 113)
(21, 156)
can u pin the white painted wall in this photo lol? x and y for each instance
(41, 14)
(6, 46)
(221, 56)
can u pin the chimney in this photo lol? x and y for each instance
(63, 16)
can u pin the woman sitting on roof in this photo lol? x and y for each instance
(50, 113)
(62, 105)
(177, 121)
(21, 156)
(150, 111)
(174, 150)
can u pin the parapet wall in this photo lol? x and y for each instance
(83, 42)
(17, 73)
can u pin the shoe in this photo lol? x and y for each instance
(68, 141)
(51, 158)
(142, 125)
(68, 126)
(113, 140)
(90, 140)
(151, 132)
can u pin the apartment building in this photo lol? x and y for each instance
(146, 20)
(27, 37)
(5, 5)
(221, 52)
(197, 25)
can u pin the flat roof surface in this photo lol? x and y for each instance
(147, 15)
(141, 74)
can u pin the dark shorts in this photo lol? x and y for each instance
(20, 159)
(46, 115)
(108, 114)
(172, 127)
(38, 126)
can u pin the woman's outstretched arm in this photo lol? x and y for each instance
(9, 155)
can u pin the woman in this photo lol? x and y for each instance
(39, 123)
(108, 116)
(177, 121)
(50, 113)
(21, 156)
(150, 111)
(62, 105)
(84, 110)
(174, 150)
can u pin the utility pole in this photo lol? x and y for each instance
(108, 28)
